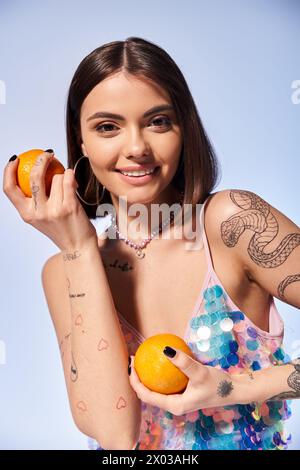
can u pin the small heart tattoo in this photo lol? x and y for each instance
(82, 406)
(121, 403)
(78, 320)
(103, 344)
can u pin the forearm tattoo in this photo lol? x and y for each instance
(103, 344)
(225, 388)
(78, 320)
(62, 343)
(121, 403)
(71, 256)
(72, 296)
(74, 371)
(293, 382)
(81, 405)
(286, 281)
(256, 216)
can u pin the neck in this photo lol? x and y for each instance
(137, 223)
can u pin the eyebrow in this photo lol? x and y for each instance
(155, 109)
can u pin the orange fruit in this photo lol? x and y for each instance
(155, 370)
(26, 162)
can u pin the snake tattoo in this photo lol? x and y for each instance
(257, 216)
(286, 281)
(293, 382)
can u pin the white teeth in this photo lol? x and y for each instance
(137, 173)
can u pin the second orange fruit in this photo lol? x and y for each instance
(26, 162)
(155, 370)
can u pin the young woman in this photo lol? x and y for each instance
(129, 109)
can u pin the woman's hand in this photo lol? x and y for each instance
(207, 387)
(60, 217)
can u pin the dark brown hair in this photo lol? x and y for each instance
(198, 170)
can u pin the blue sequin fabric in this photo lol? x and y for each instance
(221, 336)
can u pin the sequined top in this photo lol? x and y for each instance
(221, 336)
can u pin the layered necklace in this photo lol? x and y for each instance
(139, 247)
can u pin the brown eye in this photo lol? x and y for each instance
(162, 119)
(101, 126)
(104, 128)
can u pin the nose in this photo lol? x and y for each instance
(136, 145)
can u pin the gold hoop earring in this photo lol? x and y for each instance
(103, 188)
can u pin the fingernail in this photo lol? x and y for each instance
(12, 158)
(129, 370)
(49, 151)
(170, 352)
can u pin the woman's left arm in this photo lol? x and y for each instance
(266, 242)
(211, 387)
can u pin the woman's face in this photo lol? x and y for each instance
(132, 139)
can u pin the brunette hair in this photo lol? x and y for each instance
(198, 169)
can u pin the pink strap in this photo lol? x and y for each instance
(204, 238)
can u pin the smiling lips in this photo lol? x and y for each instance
(137, 172)
(138, 177)
(144, 168)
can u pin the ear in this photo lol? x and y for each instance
(83, 149)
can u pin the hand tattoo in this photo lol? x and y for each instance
(225, 388)
(39, 161)
(34, 190)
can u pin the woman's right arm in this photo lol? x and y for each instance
(94, 353)
(95, 357)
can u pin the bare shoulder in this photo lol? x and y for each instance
(231, 212)
(224, 225)
(223, 205)
(219, 207)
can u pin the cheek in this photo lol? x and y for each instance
(173, 145)
(102, 154)
(100, 164)
(96, 145)
(171, 155)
